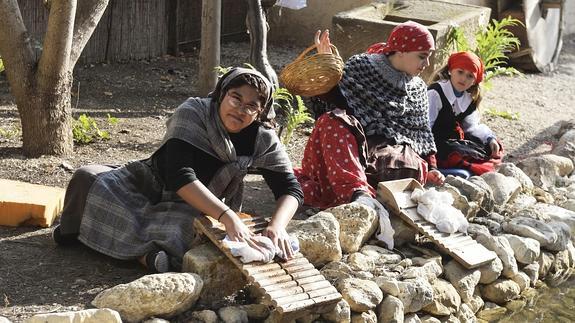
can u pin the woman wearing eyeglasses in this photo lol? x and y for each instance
(144, 210)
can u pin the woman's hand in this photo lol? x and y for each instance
(495, 148)
(237, 230)
(435, 177)
(322, 42)
(281, 240)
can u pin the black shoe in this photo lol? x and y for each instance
(158, 261)
(61, 239)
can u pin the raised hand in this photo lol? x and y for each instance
(495, 148)
(435, 177)
(322, 42)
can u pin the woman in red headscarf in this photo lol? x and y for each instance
(378, 127)
(462, 140)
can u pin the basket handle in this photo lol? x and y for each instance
(314, 46)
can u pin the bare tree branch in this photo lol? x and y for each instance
(15, 46)
(55, 59)
(88, 15)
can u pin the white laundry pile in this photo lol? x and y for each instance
(436, 207)
(248, 254)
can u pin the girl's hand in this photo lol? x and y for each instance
(281, 240)
(435, 177)
(495, 148)
(322, 42)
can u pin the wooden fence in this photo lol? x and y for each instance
(141, 29)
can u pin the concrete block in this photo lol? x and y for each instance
(29, 204)
(355, 30)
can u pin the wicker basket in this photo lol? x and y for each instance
(311, 75)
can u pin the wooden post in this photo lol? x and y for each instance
(172, 9)
(210, 45)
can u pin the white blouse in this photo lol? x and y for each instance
(471, 124)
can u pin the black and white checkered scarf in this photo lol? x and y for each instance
(388, 102)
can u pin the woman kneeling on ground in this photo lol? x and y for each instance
(378, 129)
(144, 210)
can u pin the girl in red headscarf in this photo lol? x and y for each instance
(378, 126)
(462, 140)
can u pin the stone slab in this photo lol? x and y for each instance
(29, 204)
(355, 30)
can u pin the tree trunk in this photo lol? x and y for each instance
(42, 89)
(210, 47)
(258, 29)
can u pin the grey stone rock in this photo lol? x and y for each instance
(391, 310)
(364, 317)
(104, 315)
(361, 295)
(463, 280)
(501, 291)
(163, 295)
(319, 238)
(340, 313)
(231, 314)
(504, 188)
(509, 169)
(357, 224)
(446, 300)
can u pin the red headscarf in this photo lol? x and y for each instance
(467, 61)
(405, 37)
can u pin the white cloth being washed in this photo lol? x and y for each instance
(248, 254)
(436, 207)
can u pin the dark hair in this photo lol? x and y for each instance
(261, 88)
(474, 90)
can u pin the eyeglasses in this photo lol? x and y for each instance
(250, 109)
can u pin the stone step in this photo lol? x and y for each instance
(29, 204)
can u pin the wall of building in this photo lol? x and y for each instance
(298, 26)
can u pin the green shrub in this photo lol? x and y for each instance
(85, 130)
(502, 114)
(10, 133)
(1, 65)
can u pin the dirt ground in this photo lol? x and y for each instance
(36, 276)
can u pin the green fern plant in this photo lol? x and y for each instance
(493, 44)
(295, 114)
(85, 130)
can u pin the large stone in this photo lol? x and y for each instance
(522, 280)
(532, 271)
(413, 293)
(205, 316)
(563, 236)
(220, 276)
(319, 238)
(499, 245)
(542, 171)
(463, 280)
(340, 313)
(492, 312)
(545, 261)
(501, 291)
(231, 314)
(354, 30)
(446, 300)
(357, 223)
(566, 145)
(509, 169)
(531, 228)
(29, 204)
(379, 255)
(361, 295)
(357, 261)
(391, 310)
(488, 203)
(491, 271)
(165, 295)
(104, 315)
(364, 317)
(526, 250)
(412, 318)
(504, 188)
(465, 314)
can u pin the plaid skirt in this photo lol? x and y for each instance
(128, 214)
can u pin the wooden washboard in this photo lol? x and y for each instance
(396, 196)
(294, 288)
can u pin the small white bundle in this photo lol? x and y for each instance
(436, 207)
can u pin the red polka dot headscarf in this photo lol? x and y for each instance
(406, 37)
(467, 61)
